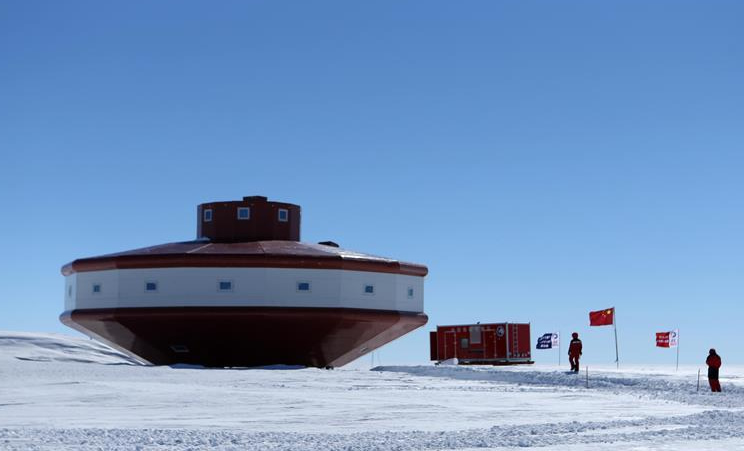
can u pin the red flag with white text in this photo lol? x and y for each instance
(667, 339)
(604, 317)
(662, 339)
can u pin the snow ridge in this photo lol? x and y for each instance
(659, 387)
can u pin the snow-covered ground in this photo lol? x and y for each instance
(59, 392)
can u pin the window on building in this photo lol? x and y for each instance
(244, 213)
(151, 286)
(464, 343)
(225, 285)
(475, 334)
(303, 286)
(96, 288)
(283, 215)
(410, 293)
(369, 289)
(208, 215)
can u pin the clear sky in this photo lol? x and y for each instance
(542, 158)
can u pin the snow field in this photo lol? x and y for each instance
(66, 393)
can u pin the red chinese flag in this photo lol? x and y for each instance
(604, 317)
(662, 339)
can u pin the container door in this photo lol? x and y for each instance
(450, 345)
(489, 344)
(500, 347)
(476, 341)
(433, 348)
(524, 349)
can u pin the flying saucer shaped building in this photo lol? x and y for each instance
(246, 292)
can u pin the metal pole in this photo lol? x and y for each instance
(587, 377)
(508, 343)
(677, 352)
(559, 349)
(614, 323)
(698, 384)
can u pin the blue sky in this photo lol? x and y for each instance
(543, 159)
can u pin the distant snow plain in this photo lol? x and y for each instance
(60, 392)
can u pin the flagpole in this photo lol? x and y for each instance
(614, 324)
(559, 348)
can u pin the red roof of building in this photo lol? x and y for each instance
(271, 254)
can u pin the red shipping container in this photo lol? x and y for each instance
(482, 344)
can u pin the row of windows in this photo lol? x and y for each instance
(151, 286)
(244, 214)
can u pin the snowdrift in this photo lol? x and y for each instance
(40, 347)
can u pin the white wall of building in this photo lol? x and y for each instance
(255, 287)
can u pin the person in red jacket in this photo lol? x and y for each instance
(574, 352)
(714, 363)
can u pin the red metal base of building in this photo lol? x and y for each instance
(244, 336)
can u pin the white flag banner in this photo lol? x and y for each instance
(556, 340)
(673, 338)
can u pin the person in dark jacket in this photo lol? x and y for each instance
(574, 352)
(714, 363)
